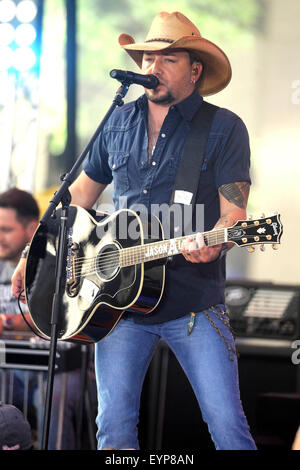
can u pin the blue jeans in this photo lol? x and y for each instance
(121, 362)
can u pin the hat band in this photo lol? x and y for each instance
(170, 41)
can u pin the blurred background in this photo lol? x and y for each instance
(55, 59)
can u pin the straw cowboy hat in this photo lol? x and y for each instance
(174, 31)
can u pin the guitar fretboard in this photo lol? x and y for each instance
(165, 248)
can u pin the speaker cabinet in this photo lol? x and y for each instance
(266, 322)
(171, 419)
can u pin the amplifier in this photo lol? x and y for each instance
(25, 351)
(260, 310)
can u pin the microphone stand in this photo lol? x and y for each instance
(63, 196)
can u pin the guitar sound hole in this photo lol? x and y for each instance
(108, 262)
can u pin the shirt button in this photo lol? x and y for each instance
(145, 191)
(114, 166)
(163, 136)
(153, 163)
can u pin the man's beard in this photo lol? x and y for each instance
(167, 98)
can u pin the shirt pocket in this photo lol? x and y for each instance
(118, 163)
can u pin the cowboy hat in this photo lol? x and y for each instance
(176, 31)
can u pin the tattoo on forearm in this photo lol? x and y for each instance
(224, 221)
(237, 193)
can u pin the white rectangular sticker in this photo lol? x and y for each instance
(183, 197)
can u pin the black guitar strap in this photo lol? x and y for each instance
(188, 176)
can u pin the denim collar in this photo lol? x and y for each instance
(190, 105)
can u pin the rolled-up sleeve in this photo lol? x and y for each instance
(96, 164)
(233, 162)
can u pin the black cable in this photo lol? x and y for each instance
(24, 318)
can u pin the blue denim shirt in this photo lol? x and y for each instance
(120, 154)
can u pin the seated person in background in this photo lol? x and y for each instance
(19, 218)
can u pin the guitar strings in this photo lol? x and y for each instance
(154, 244)
(127, 254)
(108, 260)
(111, 260)
(138, 248)
(94, 266)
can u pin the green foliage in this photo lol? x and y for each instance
(100, 22)
(53, 82)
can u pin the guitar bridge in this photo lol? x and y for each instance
(73, 277)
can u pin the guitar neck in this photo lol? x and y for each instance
(165, 248)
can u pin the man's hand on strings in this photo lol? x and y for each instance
(195, 250)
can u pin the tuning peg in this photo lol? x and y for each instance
(262, 216)
(275, 213)
(250, 217)
(262, 247)
(250, 248)
(275, 246)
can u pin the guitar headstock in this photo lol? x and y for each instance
(262, 231)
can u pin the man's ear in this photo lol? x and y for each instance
(197, 68)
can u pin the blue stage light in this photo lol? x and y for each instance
(18, 31)
(7, 34)
(7, 10)
(26, 11)
(6, 58)
(25, 35)
(24, 59)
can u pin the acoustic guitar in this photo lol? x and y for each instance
(114, 264)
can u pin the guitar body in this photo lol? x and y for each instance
(114, 264)
(97, 288)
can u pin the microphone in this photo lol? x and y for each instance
(147, 81)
